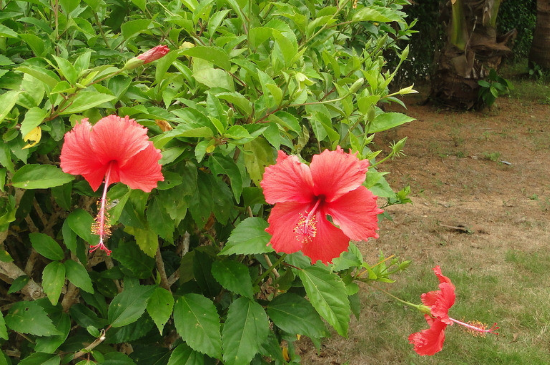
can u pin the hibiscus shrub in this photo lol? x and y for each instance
(144, 144)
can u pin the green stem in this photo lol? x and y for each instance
(421, 307)
(270, 269)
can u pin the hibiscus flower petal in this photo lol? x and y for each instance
(142, 171)
(442, 278)
(430, 341)
(96, 177)
(118, 139)
(336, 173)
(328, 243)
(77, 154)
(282, 221)
(445, 300)
(356, 213)
(288, 180)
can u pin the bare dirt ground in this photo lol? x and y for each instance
(480, 188)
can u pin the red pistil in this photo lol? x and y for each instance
(478, 328)
(100, 226)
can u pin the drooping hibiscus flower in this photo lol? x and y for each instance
(430, 341)
(321, 207)
(113, 150)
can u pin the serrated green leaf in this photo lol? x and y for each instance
(140, 4)
(160, 221)
(40, 358)
(198, 323)
(327, 293)
(248, 238)
(185, 355)
(48, 78)
(85, 101)
(244, 332)
(35, 176)
(46, 246)
(146, 239)
(220, 164)
(295, 315)
(160, 307)
(234, 277)
(7, 32)
(387, 121)
(238, 100)
(258, 155)
(53, 279)
(77, 274)
(31, 318)
(129, 305)
(49, 344)
(5, 256)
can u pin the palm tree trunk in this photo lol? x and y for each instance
(540, 48)
(471, 50)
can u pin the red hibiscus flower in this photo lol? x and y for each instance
(430, 341)
(114, 149)
(305, 196)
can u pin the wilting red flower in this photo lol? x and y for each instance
(114, 149)
(305, 196)
(430, 341)
(154, 54)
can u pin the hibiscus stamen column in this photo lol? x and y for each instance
(100, 226)
(480, 329)
(306, 228)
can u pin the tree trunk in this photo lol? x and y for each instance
(540, 48)
(471, 50)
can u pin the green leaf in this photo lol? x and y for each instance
(85, 101)
(198, 323)
(220, 164)
(68, 5)
(238, 100)
(214, 77)
(248, 238)
(3, 329)
(140, 4)
(46, 246)
(234, 277)
(40, 358)
(18, 284)
(7, 32)
(376, 14)
(295, 315)
(34, 176)
(81, 222)
(133, 27)
(33, 118)
(31, 318)
(327, 293)
(133, 260)
(160, 221)
(47, 77)
(258, 155)
(185, 355)
(147, 239)
(129, 305)
(67, 70)
(5, 256)
(77, 274)
(49, 344)
(53, 279)
(216, 55)
(387, 121)
(244, 332)
(160, 307)
(7, 102)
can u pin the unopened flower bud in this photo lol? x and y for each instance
(151, 55)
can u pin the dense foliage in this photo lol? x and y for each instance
(191, 278)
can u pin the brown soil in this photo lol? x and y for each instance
(480, 187)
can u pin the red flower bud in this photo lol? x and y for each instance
(154, 54)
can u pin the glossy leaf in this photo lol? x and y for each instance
(77, 274)
(160, 306)
(234, 277)
(129, 305)
(31, 318)
(34, 176)
(295, 315)
(185, 355)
